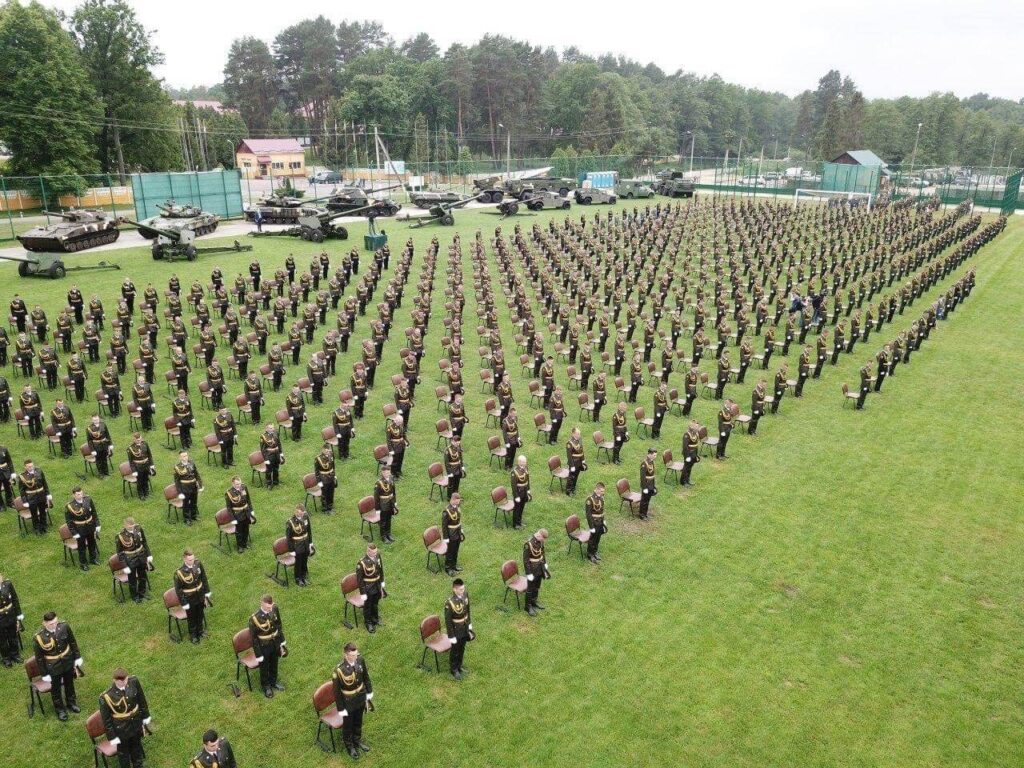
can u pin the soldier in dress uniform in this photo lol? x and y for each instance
(189, 485)
(110, 385)
(268, 643)
(457, 415)
(125, 714)
(397, 443)
(299, 532)
(505, 396)
(510, 433)
(865, 384)
(295, 403)
(458, 623)
(32, 408)
(883, 366)
(353, 694)
(84, 523)
(757, 405)
(370, 575)
(648, 482)
(576, 459)
(7, 478)
(593, 508)
(725, 425)
(323, 469)
(317, 372)
(556, 408)
(780, 386)
(620, 432)
(600, 394)
(385, 500)
(452, 533)
(35, 494)
(238, 502)
(216, 753)
(131, 544)
(690, 385)
(63, 422)
(193, 591)
(660, 409)
(227, 435)
(181, 408)
(520, 482)
(142, 394)
(254, 394)
(60, 662)
(822, 353)
(273, 455)
(140, 459)
(10, 623)
(454, 467)
(803, 370)
(343, 429)
(691, 447)
(98, 438)
(536, 567)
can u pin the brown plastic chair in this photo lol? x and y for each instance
(502, 503)
(435, 546)
(116, 565)
(543, 428)
(575, 377)
(258, 467)
(244, 408)
(576, 534)
(486, 380)
(327, 713)
(493, 412)
(175, 613)
(328, 435)
(672, 468)
(368, 515)
(36, 686)
(382, 455)
(354, 599)
(70, 545)
(627, 496)
(536, 393)
(389, 410)
(558, 472)
(88, 459)
(283, 559)
(102, 748)
(643, 421)
(708, 442)
(134, 415)
(603, 445)
(514, 582)
(444, 433)
(129, 480)
(586, 407)
(438, 479)
(848, 396)
(443, 396)
(174, 504)
(226, 528)
(171, 428)
(245, 656)
(283, 419)
(434, 639)
(213, 447)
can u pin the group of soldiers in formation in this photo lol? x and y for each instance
(582, 276)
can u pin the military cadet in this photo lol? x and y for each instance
(576, 460)
(452, 533)
(5, 400)
(780, 386)
(131, 544)
(63, 423)
(216, 753)
(594, 510)
(268, 643)
(181, 409)
(147, 355)
(273, 455)
(98, 439)
(32, 408)
(822, 353)
(40, 323)
(193, 591)
(838, 341)
(227, 435)
(520, 482)
(10, 622)
(275, 359)
(35, 494)
(459, 626)
(803, 370)
(510, 434)
(140, 459)
(454, 467)
(181, 368)
(317, 372)
(238, 502)
(189, 485)
(457, 415)
(883, 366)
(254, 395)
(19, 311)
(215, 381)
(125, 714)
(536, 567)
(384, 495)
(60, 662)
(323, 470)
(24, 353)
(353, 694)
(4, 343)
(660, 409)
(7, 477)
(358, 386)
(757, 405)
(343, 429)
(620, 432)
(724, 371)
(370, 575)
(295, 403)
(110, 385)
(397, 443)
(128, 293)
(299, 533)
(600, 394)
(49, 363)
(648, 482)
(83, 522)
(865, 385)
(725, 425)
(636, 377)
(691, 446)
(690, 384)
(505, 396)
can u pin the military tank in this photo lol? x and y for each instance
(178, 217)
(77, 230)
(282, 210)
(348, 199)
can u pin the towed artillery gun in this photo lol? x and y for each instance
(50, 265)
(77, 230)
(442, 212)
(318, 225)
(176, 244)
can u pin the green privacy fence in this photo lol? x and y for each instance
(218, 192)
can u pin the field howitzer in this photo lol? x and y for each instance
(51, 265)
(319, 225)
(174, 244)
(442, 212)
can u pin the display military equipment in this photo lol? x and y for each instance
(193, 591)
(268, 643)
(282, 209)
(595, 195)
(458, 622)
(131, 544)
(59, 661)
(442, 212)
(672, 183)
(430, 197)
(177, 218)
(352, 200)
(47, 264)
(76, 230)
(318, 224)
(125, 714)
(177, 242)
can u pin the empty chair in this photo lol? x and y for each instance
(502, 503)
(848, 396)
(438, 479)
(643, 421)
(226, 527)
(444, 434)
(70, 547)
(514, 581)
(354, 599)
(493, 412)
(36, 686)
(543, 428)
(213, 447)
(433, 640)
(497, 449)
(244, 408)
(603, 445)
(586, 407)
(369, 515)
(245, 656)
(575, 377)
(119, 578)
(558, 472)
(313, 490)
(486, 380)
(327, 713)
(576, 534)
(382, 456)
(328, 435)
(672, 468)
(258, 467)
(622, 388)
(435, 546)
(283, 560)
(709, 443)
(129, 479)
(88, 458)
(388, 410)
(283, 419)
(536, 393)
(443, 396)
(174, 504)
(134, 415)
(175, 613)
(173, 433)
(626, 496)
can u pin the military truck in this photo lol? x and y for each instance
(77, 230)
(552, 184)
(671, 183)
(545, 201)
(175, 217)
(591, 195)
(494, 190)
(633, 188)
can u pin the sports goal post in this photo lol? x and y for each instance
(833, 197)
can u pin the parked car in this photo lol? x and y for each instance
(752, 181)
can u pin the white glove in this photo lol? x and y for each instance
(147, 721)
(115, 741)
(92, 453)
(126, 571)
(593, 530)
(471, 626)
(181, 495)
(185, 606)
(529, 577)
(97, 529)
(59, 434)
(14, 475)
(78, 661)
(369, 696)
(319, 485)
(46, 678)
(284, 643)
(445, 541)
(76, 536)
(201, 489)
(453, 640)
(292, 554)
(49, 497)
(149, 559)
(723, 434)
(343, 712)
(21, 617)
(646, 490)
(259, 659)
(208, 594)
(517, 499)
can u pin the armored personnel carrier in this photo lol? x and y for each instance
(77, 230)
(175, 217)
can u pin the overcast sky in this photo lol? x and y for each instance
(889, 47)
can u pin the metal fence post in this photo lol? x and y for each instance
(110, 189)
(7, 204)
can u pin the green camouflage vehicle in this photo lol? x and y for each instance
(175, 217)
(77, 230)
(633, 188)
(551, 184)
(541, 201)
(672, 184)
(595, 195)
(348, 199)
(428, 198)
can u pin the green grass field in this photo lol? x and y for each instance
(844, 590)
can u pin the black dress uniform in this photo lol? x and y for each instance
(299, 533)
(188, 481)
(343, 430)
(803, 371)
(254, 394)
(756, 408)
(594, 510)
(451, 532)
(384, 497)
(131, 544)
(124, 713)
(182, 409)
(98, 437)
(32, 408)
(577, 463)
(191, 586)
(226, 431)
(454, 467)
(458, 624)
(239, 504)
(7, 478)
(397, 442)
(270, 447)
(63, 422)
(296, 405)
(370, 575)
(725, 425)
(10, 617)
(323, 468)
(536, 567)
(865, 386)
(660, 409)
(35, 494)
(268, 644)
(691, 445)
(690, 384)
(143, 396)
(780, 389)
(111, 387)
(520, 481)
(83, 521)
(352, 690)
(140, 458)
(510, 433)
(648, 485)
(57, 656)
(223, 757)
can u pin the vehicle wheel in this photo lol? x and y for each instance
(316, 236)
(304, 234)
(191, 253)
(629, 195)
(587, 200)
(612, 200)
(157, 254)
(512, 209)
(447, 220)
(564, 191)
(341, 233)
(566, 206)
(57, 270)
(496, 197)
(23, 268)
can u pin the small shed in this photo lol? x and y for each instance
(855, 170)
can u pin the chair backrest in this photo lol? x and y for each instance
(65, 533)
(702, 432)
(115, 562)
(242, 641)
(430, 626)
(441, 425)
(280, 546)
(223, 516)
(170, 423)
(349, 584)
(171, 492)
(94, 725)
(282, 415)
(323, 696)
(572, 524)
(622, 487)
(570, 371)
(704, 377)
(534, 387)
(673, 394)
(241, 401)
(846, 388)
(431, 535)
(435, 470)
(620, 382)
(125, 468)
(389, 410)
(539, 419)
(638, 414)
(380, 452)
(256, 458)
(666, 456)
(554, 463)
(499, 494)
(493, 442)
(209, 441)
(509, 570)
(204, 387)
(583, 398)
(309, 481)
(735, 410)
(171, 599)
(366, 505)
(441, 392)
(32, 668)
(85, 450)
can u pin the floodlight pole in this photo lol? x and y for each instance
(693, 139)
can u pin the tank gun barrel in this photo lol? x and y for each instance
(55, 213)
